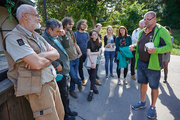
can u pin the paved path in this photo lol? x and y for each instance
(114, 101)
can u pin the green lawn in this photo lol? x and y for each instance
(176, 43)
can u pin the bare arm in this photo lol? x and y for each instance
(36, 62)
(78, 50)
(50, 55)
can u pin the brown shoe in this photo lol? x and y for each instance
(133, 77)
(73, 94)
(98, 83)
(80, 88)
(83, 82)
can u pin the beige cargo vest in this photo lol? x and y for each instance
(25, 81)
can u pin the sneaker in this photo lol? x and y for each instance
(90, 96)
(139, 105)
(73, 94)
(80, 88)
(165, 80)
(120, 82)
(83, 82)
(133, 77)
(112, 75)
(125, 81)
(95, 90)
(152, 113)
(98, 83)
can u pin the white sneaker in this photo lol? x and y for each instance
(125, 81)
(120, 82)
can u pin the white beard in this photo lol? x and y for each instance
(37, 26)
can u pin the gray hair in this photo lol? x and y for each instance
(152, 13)
(24, 8)
(53, 23)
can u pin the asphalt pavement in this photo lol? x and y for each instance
(114, 101)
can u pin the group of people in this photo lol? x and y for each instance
(40, 65)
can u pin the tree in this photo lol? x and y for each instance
(82, 9)
(171, 13)
(129, 14)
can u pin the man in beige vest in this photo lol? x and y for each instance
(29, 58)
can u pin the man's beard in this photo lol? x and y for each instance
(38, 26)
(82, 29)
(35, 25)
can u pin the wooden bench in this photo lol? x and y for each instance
(12, 107)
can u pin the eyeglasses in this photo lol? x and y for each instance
(83, 24)
(94, 34)
(34, 15)
(148, 19)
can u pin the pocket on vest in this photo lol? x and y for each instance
(29, 82)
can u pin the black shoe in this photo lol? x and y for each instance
(69, 118)
(97, 77)
(90, 96)
(80, 88)
(73, 94)
(95, 90)
(165, 79)
(73, 113)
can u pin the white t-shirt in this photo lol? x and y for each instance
(110, 41)
(135, 35)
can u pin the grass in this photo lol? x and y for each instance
(176, 44)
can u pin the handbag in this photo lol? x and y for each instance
(94, 58)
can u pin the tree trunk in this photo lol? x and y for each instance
(93, 20)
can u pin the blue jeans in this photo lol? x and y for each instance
(146, 75)
(109, 55)
(74, 65)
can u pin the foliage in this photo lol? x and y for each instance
(171, 13)
(9, 5)
(167, 11)
(82, 9)
(129, 15)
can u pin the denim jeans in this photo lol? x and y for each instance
(74, 65)
(146, 75)
(109, 56)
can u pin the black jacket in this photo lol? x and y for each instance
(105, 39)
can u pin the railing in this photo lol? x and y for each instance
(12, 107)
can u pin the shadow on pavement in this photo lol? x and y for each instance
(170, 101)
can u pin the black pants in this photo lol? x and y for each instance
(97, 70)
(119, 70)
(81, 61)
(63, 89)
(133, 63)
(92, 77)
